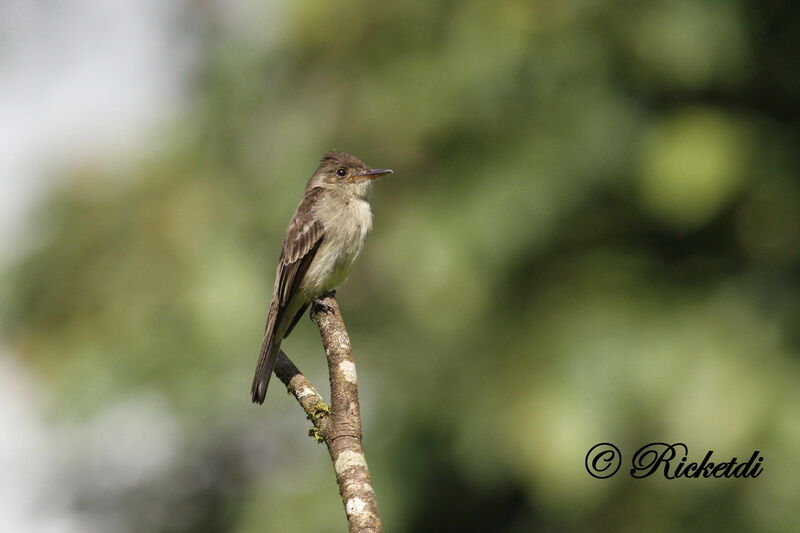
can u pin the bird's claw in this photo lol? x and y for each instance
(320, 307)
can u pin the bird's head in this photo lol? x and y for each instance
(347, 172)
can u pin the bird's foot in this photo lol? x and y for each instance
(319, 307)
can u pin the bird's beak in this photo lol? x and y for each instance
(372, 173)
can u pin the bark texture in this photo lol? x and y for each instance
(337, 425)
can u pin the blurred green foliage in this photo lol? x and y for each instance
(592, 234)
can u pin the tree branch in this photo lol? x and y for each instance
(339, 425)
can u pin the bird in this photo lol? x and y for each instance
(323, 240)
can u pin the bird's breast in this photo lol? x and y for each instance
(346, 228)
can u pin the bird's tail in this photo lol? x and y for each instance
(266, 362)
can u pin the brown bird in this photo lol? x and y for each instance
(323, 240)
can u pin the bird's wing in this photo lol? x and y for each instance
(303, 238)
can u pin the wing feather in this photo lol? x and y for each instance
(303, 238)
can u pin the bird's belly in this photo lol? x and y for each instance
(334, 258)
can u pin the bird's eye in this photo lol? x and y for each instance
(341, 172)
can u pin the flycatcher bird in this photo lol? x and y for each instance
(324, 238)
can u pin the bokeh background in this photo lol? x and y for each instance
(592, 234)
